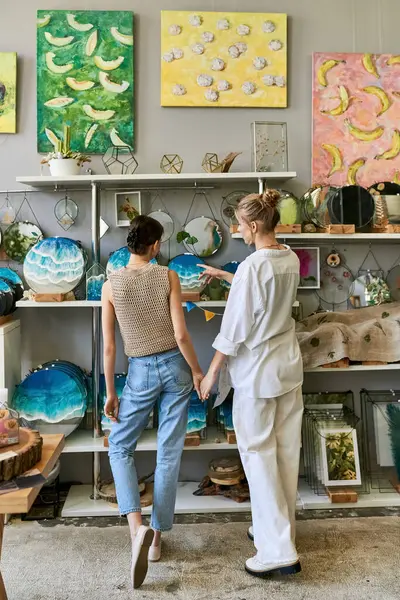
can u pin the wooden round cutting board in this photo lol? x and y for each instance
(107, 492)
(25, 454)
(226, 471)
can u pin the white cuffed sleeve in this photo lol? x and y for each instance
(240, 314)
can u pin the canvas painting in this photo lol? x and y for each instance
(85, 78)
(356, 113)
(340, 459)
(223, 59)
(128, 205)
(8, 92)
(309, 267)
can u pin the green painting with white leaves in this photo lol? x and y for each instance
(85, 78)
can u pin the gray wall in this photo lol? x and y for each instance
(314, 25)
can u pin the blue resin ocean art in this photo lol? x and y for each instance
(185, 265)
(197, 417)
(119, 260)
(119, 382)
(54, 266)
(231, 267)
(95, 278)
(12, 276)
(53, 398)
(224, 415)
(7, 298)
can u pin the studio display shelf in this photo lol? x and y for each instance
(152, 179)
(355, 368)
(97, 304)
(318, 237)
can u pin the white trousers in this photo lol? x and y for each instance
(268, 432)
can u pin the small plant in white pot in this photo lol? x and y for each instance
(64, 161)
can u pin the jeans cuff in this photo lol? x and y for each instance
(160, 529)
(129, 510)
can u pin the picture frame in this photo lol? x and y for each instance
(270, 146)
(335, 442)
(128, 205)
(310, 277)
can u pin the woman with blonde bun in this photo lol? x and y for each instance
(258, 341)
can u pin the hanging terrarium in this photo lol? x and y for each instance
(66, 212)
(7, 212)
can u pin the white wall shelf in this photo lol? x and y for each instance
(79, 503)
(149, 179)
(317, 237)
(354, 368)
(83, 441)
(97, 303)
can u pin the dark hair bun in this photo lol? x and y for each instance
(144, 232)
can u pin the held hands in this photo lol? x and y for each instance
(197, 379)
(207, 385)
(111, 407)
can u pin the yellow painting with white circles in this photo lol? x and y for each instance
(223, 59)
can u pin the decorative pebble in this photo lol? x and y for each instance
(218, 64)
(168, 57)
(280, 81)
(249, 87)
(268, 80)
(207, 37)
(204, 80)
(223, 85)
(175, 29)
(242, 47)
(198, 49)
(268, 27)
(275, 45)
(259, 63)
(243, 30)
(211, 95)
(195, 20)
(234, 51)
(179, 90)
(223, 24)
(177, 52)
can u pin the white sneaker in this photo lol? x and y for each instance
(155, 553)
(140, 551)
(259, 569)
(250, 533)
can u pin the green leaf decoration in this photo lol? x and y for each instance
(192, 240)
(331, 354)
(385, 315)
(367, 338)
(181, 236)
(315, 342)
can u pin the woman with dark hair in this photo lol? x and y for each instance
(258, 340)
(145, 299)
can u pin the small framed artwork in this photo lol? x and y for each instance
(270, 148)
(340, 458)
(128, 205)
(309, 268)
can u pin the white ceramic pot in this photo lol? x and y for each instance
(62, 167)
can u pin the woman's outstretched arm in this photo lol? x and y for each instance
(108, 325)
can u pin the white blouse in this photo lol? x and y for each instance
(258, 332)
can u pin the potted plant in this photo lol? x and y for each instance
(64, 161)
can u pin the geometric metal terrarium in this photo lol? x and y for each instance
(119, 160)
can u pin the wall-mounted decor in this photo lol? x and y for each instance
(270, 151)
(128, 205)
(223, 59)
(207, 233)
(309, 267)
(85, 76)
(228, 209)
(119, 259)
(230, 267)
(19, 239)
(167, 222)
(356, 111)
(185, 265)
(54, 266)
(66, 212)
(340, 459)
(95, 278)
(8, 92)
(53, 398)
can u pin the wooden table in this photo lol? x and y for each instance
(22, 500)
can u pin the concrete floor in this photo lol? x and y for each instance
(342, 558)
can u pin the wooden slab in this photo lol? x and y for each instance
(22, 500)
(23, 455)
(106, 491)
(226, 471)
(49, 297)
(341, 229)
(344, 363)
(389, 228)
(230, 437)
(146, 498)
(190, 296)
(192, 439)
(342, 495)
(6, 319)
(370, 363)
(106, 444)
(234, 228)
(296, 228)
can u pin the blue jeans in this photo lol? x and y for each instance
(165, 378)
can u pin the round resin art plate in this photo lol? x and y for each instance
(185, 265)
(54, 266)
(119, 260)
(19, 239)
(52, 399)
(230, 267)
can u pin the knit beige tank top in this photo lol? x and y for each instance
(141, 303)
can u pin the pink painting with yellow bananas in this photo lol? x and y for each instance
(356, 119)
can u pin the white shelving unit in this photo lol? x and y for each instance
(97, 303)
(345, 237)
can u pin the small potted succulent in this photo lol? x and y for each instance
(64, 161)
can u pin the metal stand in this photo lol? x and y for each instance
(96, 338)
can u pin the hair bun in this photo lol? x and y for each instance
(270, 198)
